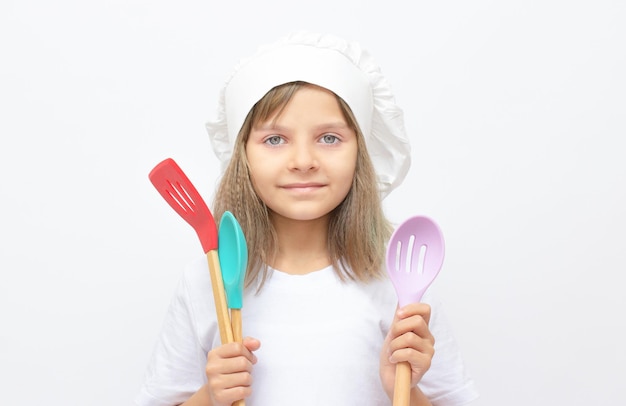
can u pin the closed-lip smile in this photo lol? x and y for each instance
(303, 186)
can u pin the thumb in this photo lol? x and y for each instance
(251, 343)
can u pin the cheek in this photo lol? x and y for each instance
(348, 169)
(259, 183)
(344, 180)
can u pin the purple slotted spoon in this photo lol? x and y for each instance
(414, 258)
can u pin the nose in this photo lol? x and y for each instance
(303, 158)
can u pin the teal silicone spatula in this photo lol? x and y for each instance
(233, 253)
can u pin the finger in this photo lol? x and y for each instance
(411, 339)
(231, 394)
(414, 309)
(230, 380)
(237, 379)
(410, 355)
(414, 324)
(419, 362)
(229, 365)
(407, 345)
(232, 350)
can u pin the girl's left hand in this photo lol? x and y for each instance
(409, 339)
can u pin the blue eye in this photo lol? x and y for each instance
(274, 140)
(329, 139)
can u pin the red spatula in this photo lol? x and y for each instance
(178, 191)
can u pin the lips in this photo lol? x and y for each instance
(303, 187)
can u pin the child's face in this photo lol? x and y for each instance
(302, 162)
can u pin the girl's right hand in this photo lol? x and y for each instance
(229, 371)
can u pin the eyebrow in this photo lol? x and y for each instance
(339, 125)
(269, 126)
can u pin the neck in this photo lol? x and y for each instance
(302, 245)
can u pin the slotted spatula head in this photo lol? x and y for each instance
(178, 191)
(414, 257)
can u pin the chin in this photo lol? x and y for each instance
(302, 215)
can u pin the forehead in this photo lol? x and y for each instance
(302, 98)
(324, 67)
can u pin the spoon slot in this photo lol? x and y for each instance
(397, 256)
(409, 254)
(421, 259)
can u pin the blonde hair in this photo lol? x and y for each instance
(358, 230)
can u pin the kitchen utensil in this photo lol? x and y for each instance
(233, 254)
(414, 257)
(178, 191)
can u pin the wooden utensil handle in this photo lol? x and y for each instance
(235, 319)
(223, 319)
(402, 385)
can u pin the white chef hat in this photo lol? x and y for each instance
(340, 66)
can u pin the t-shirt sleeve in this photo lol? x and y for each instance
(176, 368)
(447, 382)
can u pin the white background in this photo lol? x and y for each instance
(516, 110)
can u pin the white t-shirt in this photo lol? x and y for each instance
(320, 343)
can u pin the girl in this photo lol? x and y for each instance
(310, 140)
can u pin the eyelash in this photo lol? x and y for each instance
(335, 138)
(273, 137)
(268, 140)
